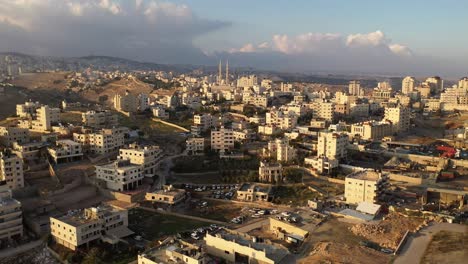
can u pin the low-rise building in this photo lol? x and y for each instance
(372, 130)
(65, 151)
(176, 251)
(148, 156)
(235, 247)
(168, 195)
(120, 175)
(27, 151)
(11, 170)
(82, 227)
(100, 119)
(322, 164)
(195, 145)
(270, 172)
(365, 186)
(11, 216)
(249, 192)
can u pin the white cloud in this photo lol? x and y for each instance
(400, 50)
(152, 30)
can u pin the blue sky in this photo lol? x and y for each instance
(391, 37)
(426, 26)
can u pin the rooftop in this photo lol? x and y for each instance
(368, 175)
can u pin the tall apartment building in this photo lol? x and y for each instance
(79, 228)
(11, 170)
(270, 172)
(365, 186)
(204, 121)
(323, 109)
(399, 116)
(11, 219)
(280, 119)
(143, 102)
(408, 84)
(247, 81)
(354, 88)
(222, 139)
(9, 135)
(120, 175)
(280, 150)
(101, 142)
(147, 156)
(436, 83)
(42, 120)
(126, 103)
(463, 83)
(332, 145)
(28, 109)
(99, 119)
(65, 150)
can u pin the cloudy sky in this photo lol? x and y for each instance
(396, 37)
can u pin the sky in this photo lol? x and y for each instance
(344, 36)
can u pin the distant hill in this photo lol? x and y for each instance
(32, 63)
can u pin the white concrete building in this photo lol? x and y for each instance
(354, 88)
(270, 172)
(9, 135)
(408, 84)
(372, 130)
(103, 141)
(11, 170)
(121, 175)
(11, 215)
(365, 186)
(322, 164)
(65, 151)
(280, 150)
(42, 120)
(99, 119)
(126, 103)
(80, 227)
(195, 145)
(222, 140)
(399, 116)
(332, 145)
(147, 156)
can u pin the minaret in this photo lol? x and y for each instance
(227, 72)
(220, 73)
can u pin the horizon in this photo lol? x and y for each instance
(306, 37)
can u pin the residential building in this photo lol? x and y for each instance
(205, 121)
(143, 102)
(65, 151)
(235, 247)
(160, 112)
(222, 140)
(332, 145)
(195, 145)
(103, 141)
(9, 135)
(372, 130)
(148, 156)
(408, 84)
(176, 251)
(365, 186)
(99, 119)
(270, 172)
(359, 109)
(247, 81)
(27, 110)
(280, 119)
(399, 116)
(42, 120)
(322, 164)
(120, 175)
(354, 88)
(280, 150)
(82, 227)
(11, 216)
(250, 192)
(126, 103)
(168, 195)
(436, 83)
(11, 170)
(27, 151)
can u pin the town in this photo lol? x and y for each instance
(223, 166)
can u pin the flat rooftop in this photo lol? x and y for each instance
(273, 252)
(367, 175)
(158, 254)
(256, 187)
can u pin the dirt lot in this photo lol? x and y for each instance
(215, 210)
(387, 233)
(332, 252)
(447, 247)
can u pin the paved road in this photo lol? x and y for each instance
(416, 244)
(165, 169)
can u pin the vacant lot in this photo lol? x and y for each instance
(152, 226)
(447, 247)
(296, 195)
(215, 210)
